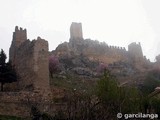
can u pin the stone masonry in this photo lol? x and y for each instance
(98, 51)
(30, 59)
(135, 51)
(76, 31)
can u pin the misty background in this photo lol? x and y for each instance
(117, 22)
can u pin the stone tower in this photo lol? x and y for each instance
(30, 59)
(19, 37)
(135, 52)
(76, 31)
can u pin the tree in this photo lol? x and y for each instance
(151, 81)
(7, 72)
(115, 99)
(2, 58)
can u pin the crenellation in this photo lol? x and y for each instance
(117, 48)
(114, 53)
(16, 28)
(19, 37)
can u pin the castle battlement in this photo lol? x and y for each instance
(117, 48)
(19, 36)
(19, 29)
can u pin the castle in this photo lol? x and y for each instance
(98, 51)
(30, 59)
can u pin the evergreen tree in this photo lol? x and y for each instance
(7, 72)
(3, 58)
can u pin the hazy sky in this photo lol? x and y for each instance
(117, 22)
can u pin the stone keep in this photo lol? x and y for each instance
(30, 59)
(135, 51)
(76, 31)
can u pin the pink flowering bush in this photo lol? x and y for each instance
(53, 65)
(101, 67)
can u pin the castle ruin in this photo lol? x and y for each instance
(98, 51)
(30, 59)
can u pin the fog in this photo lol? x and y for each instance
(117, 22)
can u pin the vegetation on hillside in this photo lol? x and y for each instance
(54, 65)
(5, 117)
(151, 81)
(107, 98)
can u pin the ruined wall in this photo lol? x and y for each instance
(31, 62)
(20, 103)
(95, 50)
(106, 54)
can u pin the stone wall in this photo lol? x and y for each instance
(30, 59)
(100, 51)
(19, 36)
(104, 53)
(20, 103)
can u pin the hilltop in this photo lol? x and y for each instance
(83, 57)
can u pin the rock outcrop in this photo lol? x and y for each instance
(72, 53)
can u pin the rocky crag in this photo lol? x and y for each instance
(83, 56)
